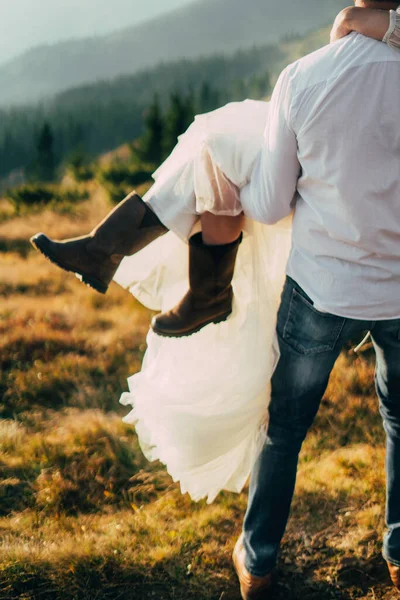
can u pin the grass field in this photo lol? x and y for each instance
(83, 516)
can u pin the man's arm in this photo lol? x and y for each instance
(270, 194)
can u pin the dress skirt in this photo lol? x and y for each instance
(200, 403)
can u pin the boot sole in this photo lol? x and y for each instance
(192, 331)
(92, 282)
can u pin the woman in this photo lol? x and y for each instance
(200, 181)
(180, 403)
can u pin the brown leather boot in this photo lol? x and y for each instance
(395, 575)
(210, 295)
(251, 588)
(95, 257)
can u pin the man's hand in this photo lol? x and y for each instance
(370, 22)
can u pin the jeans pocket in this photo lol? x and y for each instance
(307, 330)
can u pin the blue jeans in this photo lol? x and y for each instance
(310, 342)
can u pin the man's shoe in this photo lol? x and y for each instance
(251, 588)
(395, 575)
(210, 295)
(95, 257)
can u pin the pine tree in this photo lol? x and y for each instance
(239, 90)
(190, 108)
(208, 98)
(178, 118)
(260, 86)
(150, 147)
(44, 167)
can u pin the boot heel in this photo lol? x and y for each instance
(222, 319)
(93, 283)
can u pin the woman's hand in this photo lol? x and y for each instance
(341, 26)
(370, 22)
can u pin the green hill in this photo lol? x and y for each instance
(103, 115)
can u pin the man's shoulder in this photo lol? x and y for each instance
(333, 60)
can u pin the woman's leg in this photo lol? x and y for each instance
(217, 230)
(134, 223)
(212, 257)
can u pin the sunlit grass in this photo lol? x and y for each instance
(84, 516)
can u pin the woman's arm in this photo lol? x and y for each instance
(370, 22)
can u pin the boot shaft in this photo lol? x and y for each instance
(210, 294)
(95, 257)
(211, 268)
(128, 228)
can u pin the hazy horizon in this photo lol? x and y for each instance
(24, 24)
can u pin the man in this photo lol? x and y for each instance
(332, 151)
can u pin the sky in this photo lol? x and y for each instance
(27, 23)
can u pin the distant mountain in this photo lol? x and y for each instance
(99, 116)
(202, 28)
(25, 24)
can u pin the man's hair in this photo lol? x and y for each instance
(379, 4)
(367, 2)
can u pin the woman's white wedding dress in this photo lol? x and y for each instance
(200, 403)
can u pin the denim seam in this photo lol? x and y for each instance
(255, 573)
(395, 563)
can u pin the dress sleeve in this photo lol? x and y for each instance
(392, 36)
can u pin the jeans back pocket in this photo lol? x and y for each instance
(309, 331)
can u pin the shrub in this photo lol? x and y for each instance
(83, 173)
(36, 196)
(30, 195)
(119, 174)
(80, 168)
(119, 179)
(72, 196)
(116, 193)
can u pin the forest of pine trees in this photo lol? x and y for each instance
(155, 106)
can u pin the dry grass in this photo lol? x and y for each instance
(83, 516)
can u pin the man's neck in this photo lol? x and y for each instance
(377, 5)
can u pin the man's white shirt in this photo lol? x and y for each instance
(332, 152)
